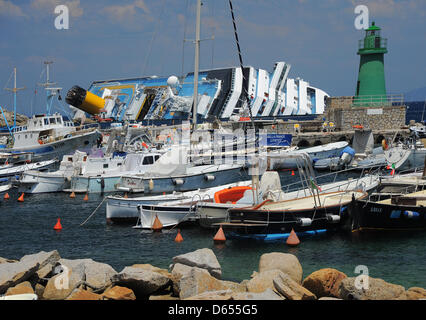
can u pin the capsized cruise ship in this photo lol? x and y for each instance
(221, 94)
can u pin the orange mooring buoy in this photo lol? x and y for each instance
(178, 237)
(21, 198)
(6, 196)
(86, 197)
(157, 225)
(72, 195)
(58, 225)
(219, 237)
(292, 239)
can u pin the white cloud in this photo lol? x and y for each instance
(126, 12)
(393, 9)
(49, 6)
(7, 8)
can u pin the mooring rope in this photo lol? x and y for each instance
(93, 212)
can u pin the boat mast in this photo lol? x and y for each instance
(196, 64)
(50, 91)
(14, 90)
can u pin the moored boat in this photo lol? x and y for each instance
(397, 213)
(324, 211)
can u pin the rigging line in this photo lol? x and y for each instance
(241, 61)
(153, 37)
(7, 83)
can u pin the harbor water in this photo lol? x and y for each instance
(27, 227)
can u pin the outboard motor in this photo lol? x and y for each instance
(347, 155)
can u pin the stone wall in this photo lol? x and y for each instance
(340, 111)
(385, 118)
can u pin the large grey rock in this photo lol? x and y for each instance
(5, 260)
(290, 289)
(213, 295)
(198, 281)
(261, 281)
(97, 274)
(202, 258)
(142, 282)
(377, 289)
(268, 294)
(179, 270)
(14, 273)
(286, 262)
(42, 258)
(60, 286)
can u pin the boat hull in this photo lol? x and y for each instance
(261, 222)
(373, 216)
(39, 182)
(169, 216)
(94, 184)
(192, 182)
(60, 148)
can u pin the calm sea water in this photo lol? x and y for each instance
(28, 228)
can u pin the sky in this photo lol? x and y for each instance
(109, 39)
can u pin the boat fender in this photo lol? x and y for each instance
(209, 177)
(151, 184)
(411, 214)
(102, 183)
(178, 182)
(333, 218)
(304, 222)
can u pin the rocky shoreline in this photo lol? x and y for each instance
(191, 276)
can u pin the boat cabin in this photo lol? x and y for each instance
(42, 129)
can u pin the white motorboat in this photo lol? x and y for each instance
(99, 175)
(120, 209)
(279, 159)
(15, 170)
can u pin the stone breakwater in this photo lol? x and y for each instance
(192, 276)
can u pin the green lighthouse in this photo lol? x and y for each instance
(371, 89)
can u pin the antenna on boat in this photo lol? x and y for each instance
(50, 90)
(14, 90)
(196, 64)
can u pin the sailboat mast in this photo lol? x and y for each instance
(14, 98)
(196, 64)
(15, 89)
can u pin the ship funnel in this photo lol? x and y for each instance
(85, 100)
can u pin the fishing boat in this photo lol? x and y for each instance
(171, 213)
(397, 213)
(326, 211)
(280, 160)
(212, 213)
(50, 135)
